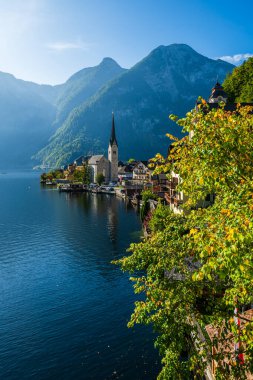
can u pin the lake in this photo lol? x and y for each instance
(64, 306)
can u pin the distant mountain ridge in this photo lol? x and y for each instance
(168, 80)
(55, 124)
(30, 113)
(26, 117)
(83, 84)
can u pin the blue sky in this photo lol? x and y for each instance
(46, 41)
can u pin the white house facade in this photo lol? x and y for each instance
(99, 165)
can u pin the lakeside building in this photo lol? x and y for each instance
(141, 171)
(125, 172)
(99, 164)
(80, 161)
(136, 171)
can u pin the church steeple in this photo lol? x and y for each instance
(113, 139)
(113, 152)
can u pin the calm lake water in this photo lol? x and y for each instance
(64, 307)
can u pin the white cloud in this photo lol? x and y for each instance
(236, 59)
(67, 45)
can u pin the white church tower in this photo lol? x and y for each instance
(113, 154)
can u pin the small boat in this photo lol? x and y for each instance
(72, 187)
(108, 190)
(96, 190)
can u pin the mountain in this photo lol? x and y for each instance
(31, 113)
(168, 80)
(84, 84)
(26, 117)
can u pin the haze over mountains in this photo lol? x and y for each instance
(26, 114)
(55, 124)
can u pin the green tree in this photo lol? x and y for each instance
(239, 84)
(43, 177)
(87, 174)
(197, 266)
(100, 178)
(59, 174)
(78, 175)
(54, 174)
(50, 176)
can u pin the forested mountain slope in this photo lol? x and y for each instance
(168, 80)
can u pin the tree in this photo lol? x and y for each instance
(54, 174)
(50, 176)
(59, 174)
(43, 177)
(196, 267)
(78, 175)
(239, 84)
(87, 174)
(100, 178)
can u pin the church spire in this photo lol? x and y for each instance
(113, 134)
(113, 153)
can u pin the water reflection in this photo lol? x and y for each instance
(102, 210)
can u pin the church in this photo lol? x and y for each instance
(99, 164)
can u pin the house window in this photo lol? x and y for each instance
(114, 152)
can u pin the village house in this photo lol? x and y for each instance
(160, 184)
(125, 172)
(141, 172)
(80, 161)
